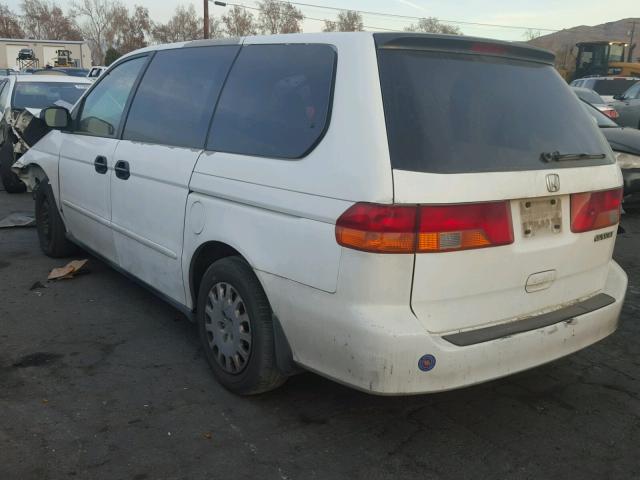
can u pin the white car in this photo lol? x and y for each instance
(607, 87)
(387, 210)
(21, 98)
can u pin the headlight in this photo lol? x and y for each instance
(626, 160)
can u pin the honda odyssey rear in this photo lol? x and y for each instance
(507, 206)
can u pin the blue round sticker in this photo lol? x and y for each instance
(427, 363)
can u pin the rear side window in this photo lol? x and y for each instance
(276, 102)
(176, 98)
(459, 113)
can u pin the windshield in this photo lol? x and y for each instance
(616, 86)
(601, 119)
(45, 94)
(616, 53)
(592, 55)
(456, 113)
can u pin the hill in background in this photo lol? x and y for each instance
(562, 43)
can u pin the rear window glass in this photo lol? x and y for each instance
(456, 113)
(175, 101)
(613, 87)
(46, 94)
(589, 96)
(276, 101)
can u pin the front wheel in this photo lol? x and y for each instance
(235, 322)
(51, 229)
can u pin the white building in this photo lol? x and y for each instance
(45, 51)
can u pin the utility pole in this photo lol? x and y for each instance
(206, 19)
(206, 16)
(631, 45)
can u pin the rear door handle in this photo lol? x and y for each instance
(122, 170)
(100, 164)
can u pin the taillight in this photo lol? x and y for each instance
(611, 113)
(378, 228)
(464, 227)
(423, 229)
(488, 48)
(595, 210)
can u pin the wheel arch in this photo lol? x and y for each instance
(32, 175)
(206, 254)
(212, 251)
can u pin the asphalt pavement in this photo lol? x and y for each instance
(101, 380)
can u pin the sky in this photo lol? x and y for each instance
(537, 14)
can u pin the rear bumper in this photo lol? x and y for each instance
(378, 350)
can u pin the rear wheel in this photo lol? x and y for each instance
(51, 229)
(235, 322)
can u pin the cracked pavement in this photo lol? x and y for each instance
(101, 380)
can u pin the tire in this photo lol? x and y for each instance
(10, 181)
(51, 229)
(238, 341)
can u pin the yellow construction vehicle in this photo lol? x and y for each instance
(604, 59)
(63, 59)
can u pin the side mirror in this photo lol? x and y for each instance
(618, 97)
(56, 117)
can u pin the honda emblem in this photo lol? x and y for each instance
(553, 182)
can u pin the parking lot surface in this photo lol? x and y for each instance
(101, 380)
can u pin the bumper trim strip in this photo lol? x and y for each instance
(481, 335)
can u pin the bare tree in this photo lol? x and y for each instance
(347, 21)
(183, 26)
(531, 34)
(433, 25)
(239, 22)
(96, 15)
(44, 20)
(9, 23)
(216, 28)
(128, 32)
(279, 17)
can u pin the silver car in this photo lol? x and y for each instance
(592, 98)
(628, 107)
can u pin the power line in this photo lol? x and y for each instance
(408, 17)
(371, 27)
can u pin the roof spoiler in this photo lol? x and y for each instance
(464, 45)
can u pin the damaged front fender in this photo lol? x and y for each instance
(26, 129)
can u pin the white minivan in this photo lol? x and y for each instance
(402, 213)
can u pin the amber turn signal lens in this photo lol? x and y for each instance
(424, 228)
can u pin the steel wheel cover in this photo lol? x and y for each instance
(228, 328)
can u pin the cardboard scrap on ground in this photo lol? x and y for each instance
(68, 271)
(18, 220)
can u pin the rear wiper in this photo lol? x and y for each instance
(563, 157)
